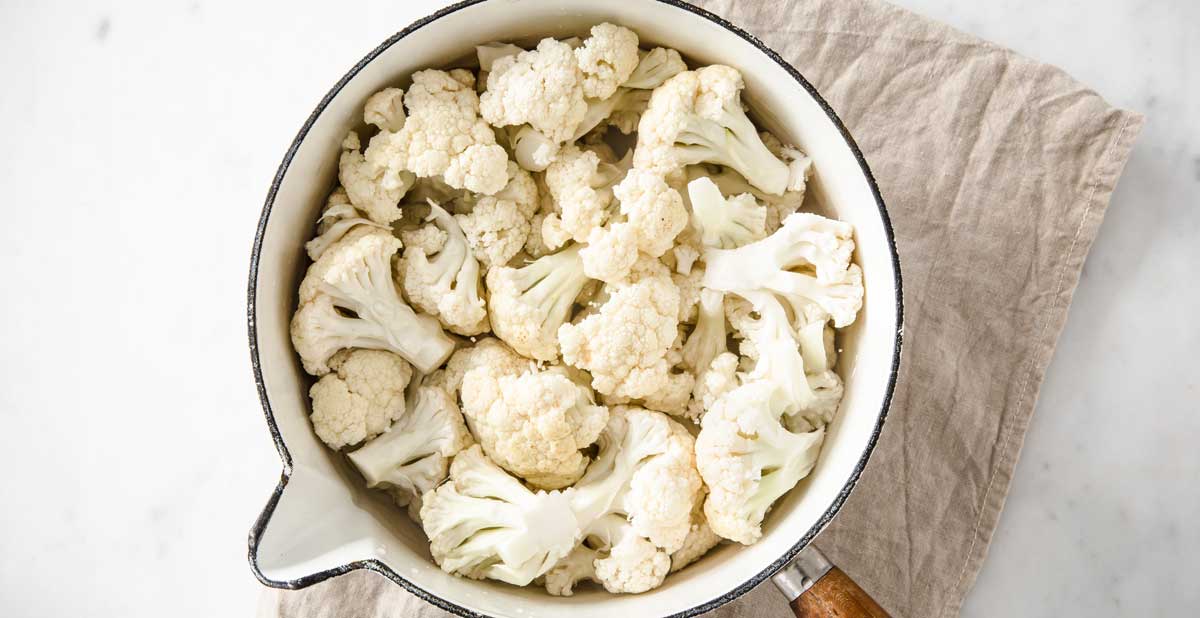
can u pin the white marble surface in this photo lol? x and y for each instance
(139, 139)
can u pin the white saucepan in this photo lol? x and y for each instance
(321, 521)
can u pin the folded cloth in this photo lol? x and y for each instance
(996, 171)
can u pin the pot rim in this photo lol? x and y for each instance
(786, 557)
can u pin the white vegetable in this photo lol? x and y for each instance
(489, 53)
(355, 275)
(446, 286)
(338, 217)
(361, 398)
(805, 241)
(696, 117)
(496, 229)
(527, 305)
(535, 424)
(655, 67)
(654, 215)
(542, 88)
(748, 460)
(581, 185)
(373, 188)
(622, 109)
(607, 58)
(708, 339)
(414, 455)
(725, 223)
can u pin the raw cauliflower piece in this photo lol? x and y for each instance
(355, 275)
(487, 352)
(708, 339)
(446, 286)
(622, 110)
(444, 135)
(654, 215)
(542, 88)
(805, 241)
(655, 67)
(624, 344)
(496, 229)
(373, 188)
(534, 424)
(700, 539)
(674, 397)
(607, 58)
(732, 183)
(581, 184)
(697, 117)
(527, 305)
(385, 109)
(725, 223)
(713, 383)
(338, 217)
(749, 459)
(414, 455)
(483, 523)
(360, 398)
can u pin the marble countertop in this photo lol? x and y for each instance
(133, 170)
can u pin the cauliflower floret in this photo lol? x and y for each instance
(414, 455)
(581, 185)
(827, 390)
(655, 67)
(355, 275)
(483, 523)
(532, 150)
(534, 425)
(527, 305)
(607, 58)
(633, 564)
(373, 188)
(805, 241)
(673, 398)
(748, 460)
(521, 190)
(732, 183)
(447, 286)
(696, 117)
(577, 566)
(689, 294)
(487, 352)
(624, 344)
(622, 109)
(713, 383)
(337, 218)
(725, 223)
(428, 238)
(385, 109)
(361, 398)
(708, 339)
(489, 53)
(542, 88)
(443, 135)
(700, 538)
(654, 215)
(496, 229)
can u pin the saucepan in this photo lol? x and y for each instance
(320, 522)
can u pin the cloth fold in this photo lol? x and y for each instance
(996, 170)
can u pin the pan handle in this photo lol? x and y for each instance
(817, 589)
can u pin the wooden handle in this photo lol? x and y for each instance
(836, 595)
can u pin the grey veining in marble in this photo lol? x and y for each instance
(132, 127)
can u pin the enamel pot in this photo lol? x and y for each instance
(321, 522)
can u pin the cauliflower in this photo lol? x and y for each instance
(713, 383)
(654, 216)
(338, 217)
(778, 359)
(443, 135)
(355, 275)
(489, 53)
(816, 339)
(805, 241)
(725, 223)
(531, 148)
(708, 339)
(385, 109)
(414, 455)
(689, 294)
(487, 352)
(673, 398)
(699, 540)
(575, 567)
(362, 396)
(732, 183)
(634, 503)
(496, 229)
(521, 190)
(827, 389)
(748, 460)
(483, 523)
(581, 185)
(696, 117)
(373, 188)
(622, 109)
(624, 344)
(542, 88)
(607, 58)
(534, 424)
(447, 286)
(655, 67)
(527, 305)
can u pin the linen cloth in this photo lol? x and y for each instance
(996, 171)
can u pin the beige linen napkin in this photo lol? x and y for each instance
(996, 171)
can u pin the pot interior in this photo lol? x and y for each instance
(326, 519)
